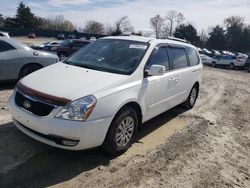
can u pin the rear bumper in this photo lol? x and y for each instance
(51, 131)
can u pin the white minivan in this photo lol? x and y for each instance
(102, 94)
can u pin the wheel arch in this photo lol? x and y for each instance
(27, 64)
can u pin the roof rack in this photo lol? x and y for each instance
(178, 39)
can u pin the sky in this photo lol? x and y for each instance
(201, 13)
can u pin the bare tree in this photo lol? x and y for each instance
(57, 23)
(1, 20)
(109, 29)
(174, 19)
(94, 27)
(157, 23)
(123, 25)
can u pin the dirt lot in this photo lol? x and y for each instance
(38, 40)
(208, 146)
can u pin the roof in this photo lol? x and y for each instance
(148, 39)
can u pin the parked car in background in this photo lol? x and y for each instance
(206, 60)
(18, 60)
(102, 94)
(51, 46)
(4, 34)
(229, 61)
(32, 35)
(247, 65)
(61, 37)
(70, 46)
(71, 36)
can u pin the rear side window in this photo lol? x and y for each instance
(193, 56)
(159, 57)
(4, 46)
(178, 57)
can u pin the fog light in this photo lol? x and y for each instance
(69, 142)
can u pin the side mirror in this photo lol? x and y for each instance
(156, 70)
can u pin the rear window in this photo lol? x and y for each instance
(193, 56)
(178, 57)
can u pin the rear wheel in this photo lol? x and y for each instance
(62, 56)
(231, 66)
(28, 69)
(191, 100)
(122, 132)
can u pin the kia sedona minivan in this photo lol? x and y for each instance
(103, 93)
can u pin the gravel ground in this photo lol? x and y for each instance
(208, 146)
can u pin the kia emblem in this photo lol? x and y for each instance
(26, 104)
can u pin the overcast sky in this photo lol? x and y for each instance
(201, 13)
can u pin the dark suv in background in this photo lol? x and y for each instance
(248, 64)
(69, 47)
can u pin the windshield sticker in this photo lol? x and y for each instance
(137, 46)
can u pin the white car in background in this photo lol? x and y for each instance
(206, 60)
(4, 34)
(229, 61)
(101, 94)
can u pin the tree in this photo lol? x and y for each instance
(123, 26)
(1, 20)
(25, 18)
(217, 38)
(94, 27)
(174, 19)
(235, 33)
(234, 21)
(109, 29)
(57, 23)
(187, 32)
(157, 23)
(203, 38)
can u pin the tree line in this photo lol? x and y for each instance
(233, 35)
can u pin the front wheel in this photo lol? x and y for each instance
(122, 132)
(213, 64)
(191, 100)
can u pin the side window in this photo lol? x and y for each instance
(178, 57)
(4, 46)
(159, 57)
(193, 56)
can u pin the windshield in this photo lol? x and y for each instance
(110, 55)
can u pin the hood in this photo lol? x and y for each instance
(70, 82)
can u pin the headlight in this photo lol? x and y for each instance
(78, 110)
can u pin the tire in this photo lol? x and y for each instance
(231, 66)
(248, 69)
(28, 69)
(117, 133)
(213, 64)
(191, 100)
(62, 56)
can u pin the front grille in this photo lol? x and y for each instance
(37, 107)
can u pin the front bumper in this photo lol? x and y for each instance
(87, 134)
